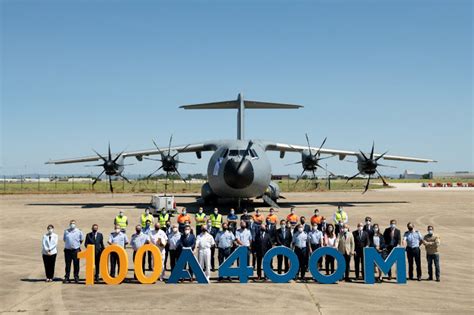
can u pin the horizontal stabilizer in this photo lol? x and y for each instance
(247, 104)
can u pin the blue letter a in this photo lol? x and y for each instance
(179, 272)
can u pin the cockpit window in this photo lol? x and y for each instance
(225, 153)
(253, 153)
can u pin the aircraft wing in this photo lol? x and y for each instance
(197, 147)
(283, 147)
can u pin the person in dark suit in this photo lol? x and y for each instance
(368, 227)
(392, 238)
(187, 241)
(254, 229)
(262, 244)
(323, 225)
(361, 240)
(97, 239)
(283, 238)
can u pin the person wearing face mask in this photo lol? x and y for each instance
(361, 240)
(159, 238)
(412, 240)
(378, 243)
(216, 221)
(300, 244)
(50, 251)
(73, 238)
(121, 220)
(163, 218)
(330, 240)
(120, 239)
(168, 230)
(432, 242)
(316, 218)
(258, 218)
(246, 217)
(292, 217)
(283, 238)
(232, 221)
(315, 242)
(323, 225)
(97, 239)
(204, 243)
(369, 228)
(263, 243)
(146, 216)
(200, 219)
(138, 240)
(243, 237)
(392, 238)
(305, 226)
(340, 218)
(346, 247)
(182, 219)
(187, 241)
(173, 241)
(224, 241)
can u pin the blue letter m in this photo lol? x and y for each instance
(397, 256)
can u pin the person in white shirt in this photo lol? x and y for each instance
(50, 250)
(159, 239)
(204, 242)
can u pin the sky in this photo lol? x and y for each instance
(78, 74)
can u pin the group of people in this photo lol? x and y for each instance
(257, 232)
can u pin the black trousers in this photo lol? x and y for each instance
(254, 258)
(280, 263)
(213, 253)
(97, 264)
(149, 257)
(173, 257)
(348, 266)
(258, 261)
(167, 251)
(329, 264)
(413, 255)
(359, 261)
(70, 256)
(314, 247)
(143, 265)
(301, 253)
(114, 264)
(49, 262)
(433, 258)
(389, 250)
(224, 253)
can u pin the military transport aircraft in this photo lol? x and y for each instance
(239, 169)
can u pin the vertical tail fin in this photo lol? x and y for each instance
(240, 104)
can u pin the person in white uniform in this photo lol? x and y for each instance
(204, 242)
(159, 239)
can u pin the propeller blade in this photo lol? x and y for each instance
(125, 178)
(326, 157)
(324, 141)
(184, 162)
(350, 178)
(299, 177)
(110, 184)
(97, 178)
(118, 156)
(367, 185)
(331, 173)
(363, 154)
(159, 168)
(169, 145)
(125, 164)
(179, 174)
(383, 165)
(181, 150)
(381, 156)
(299, 162)
(157, 148)
(152, 159)
(103, 158)
(309, 146)
(110, 154)
(383, 179)
(93, 165)
(372, 152)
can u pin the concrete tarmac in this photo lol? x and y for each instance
(24, 219)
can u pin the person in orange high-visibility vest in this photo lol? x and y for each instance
(292, 217)
(272, 217)
(258, 218)
(316, 218)
(183, 218)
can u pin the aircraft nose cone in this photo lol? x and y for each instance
(236, 177)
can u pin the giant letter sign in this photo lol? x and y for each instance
(371, 257)
(243, 271)
(179, 272)
(294, 264)
(313, 265)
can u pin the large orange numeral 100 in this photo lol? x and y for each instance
(104, 264)
(157, 264)
(89, 256)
